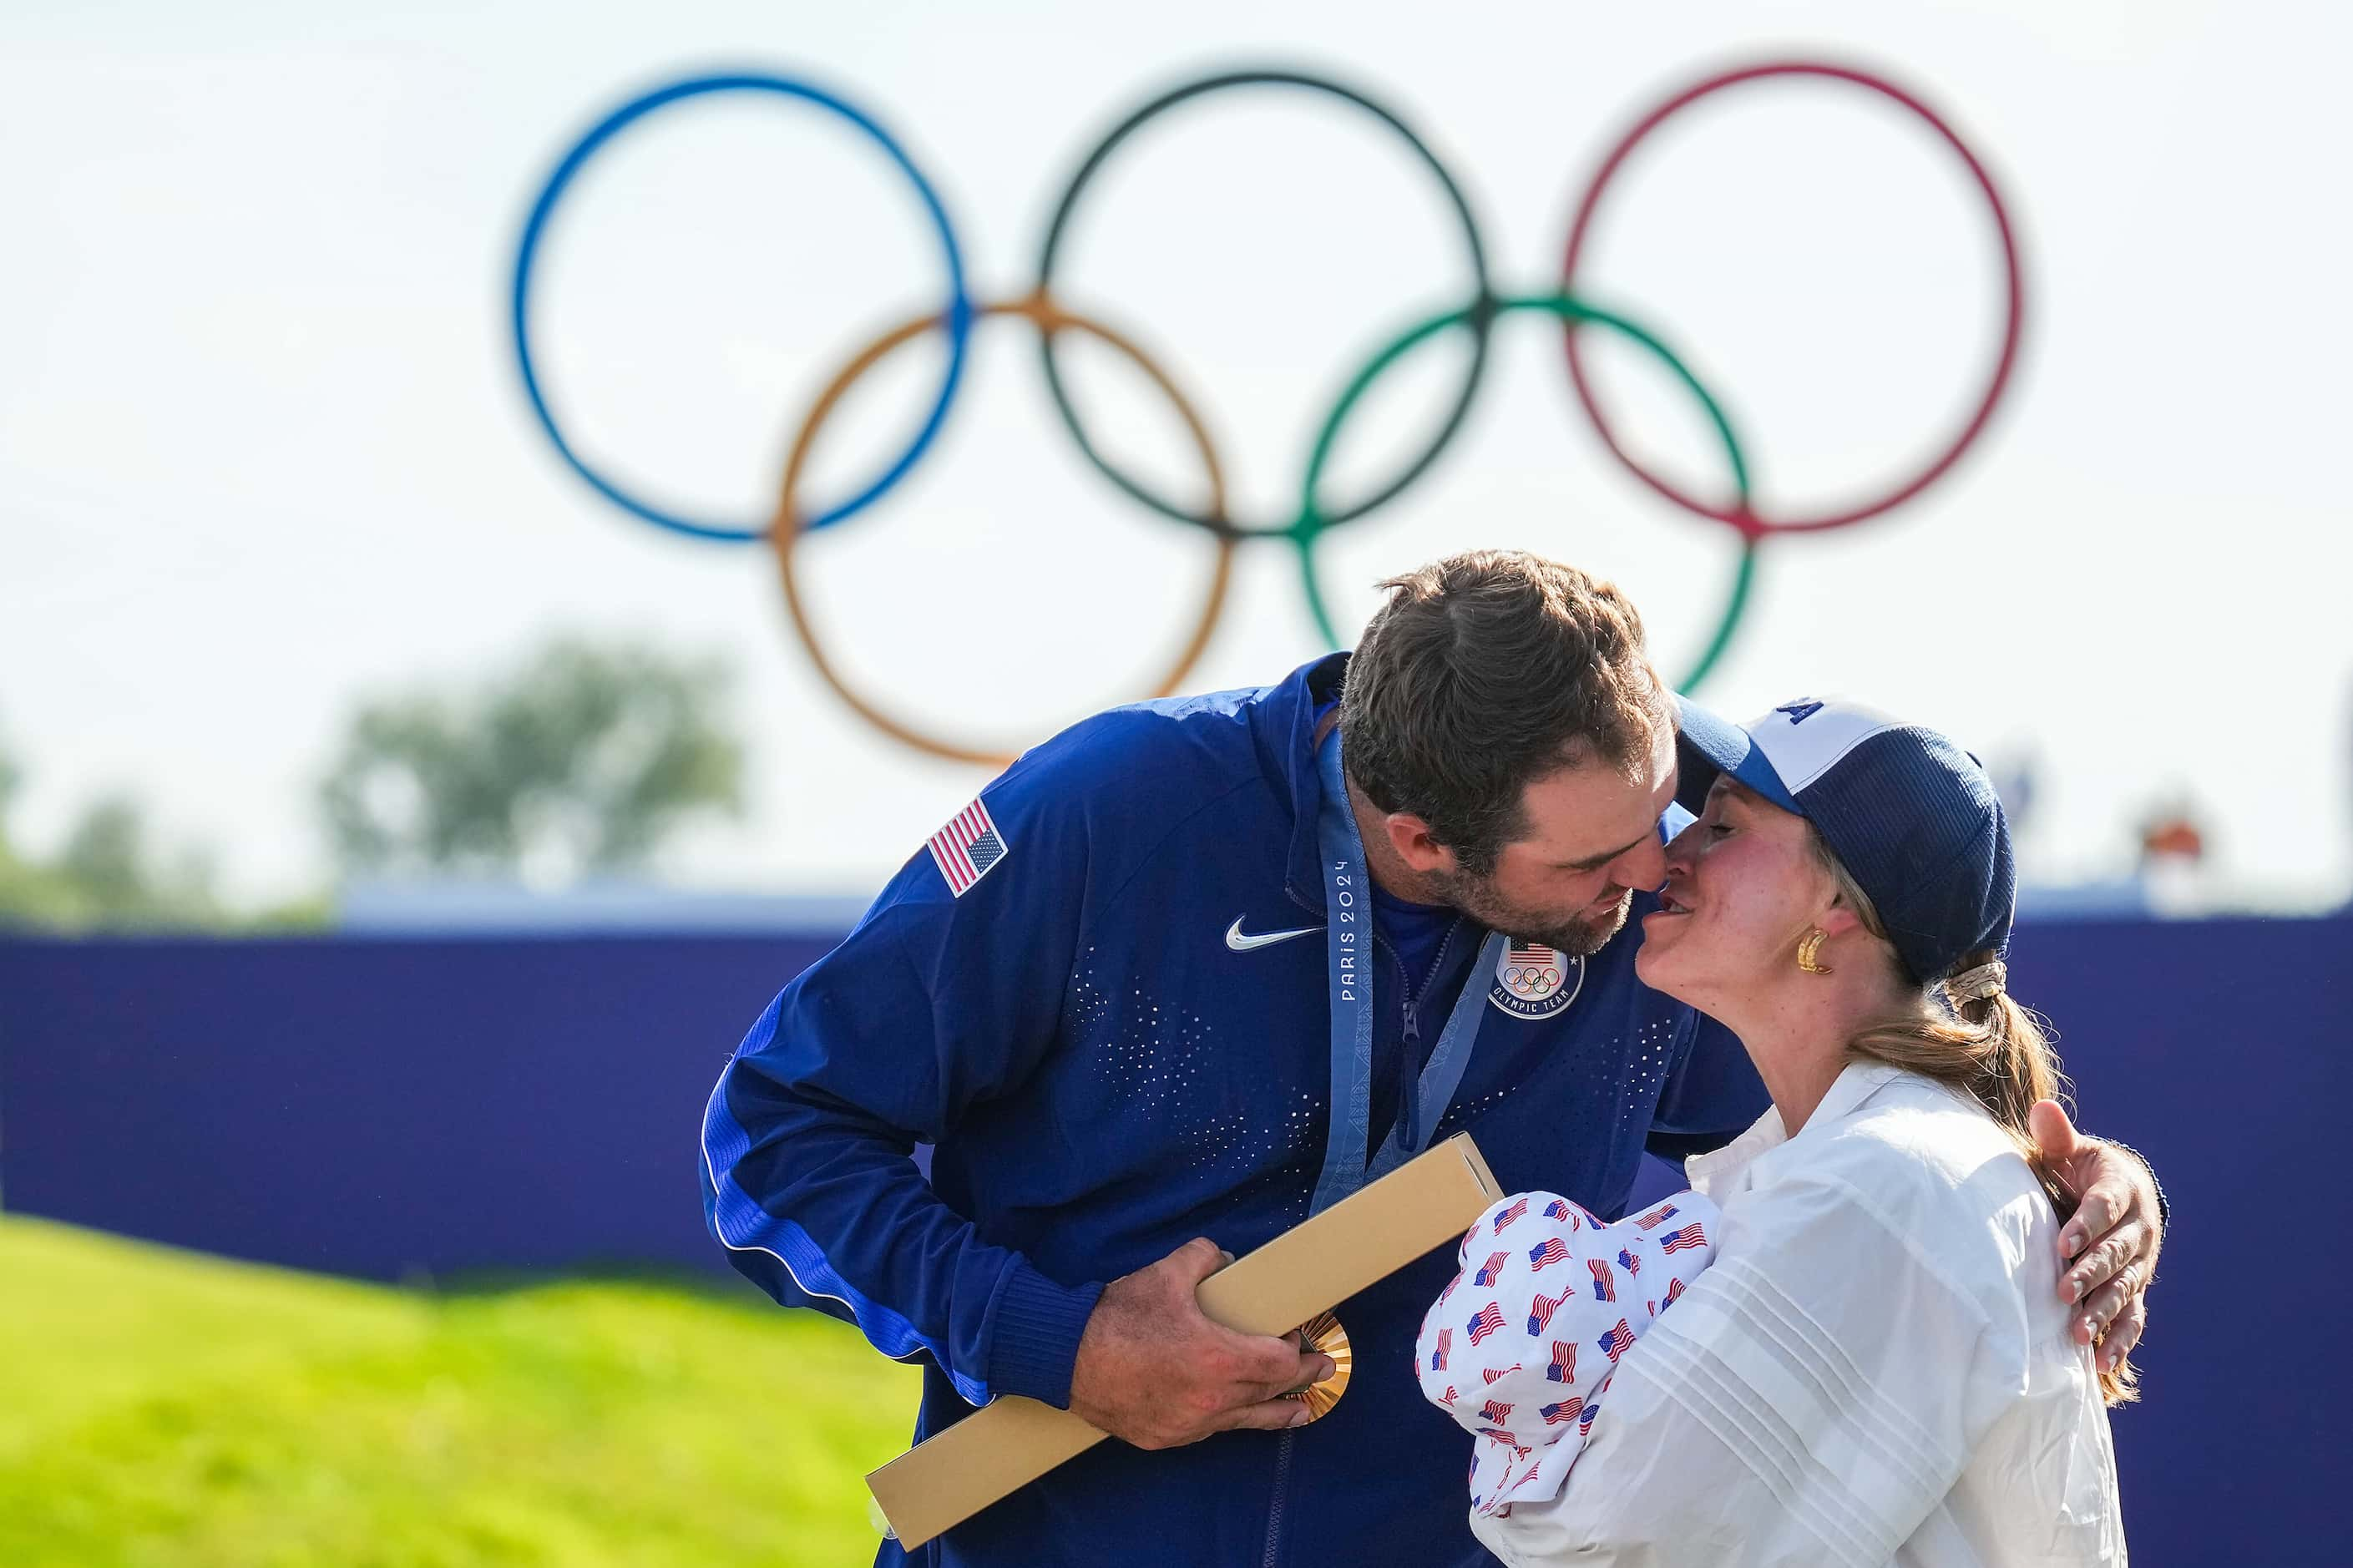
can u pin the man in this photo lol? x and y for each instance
(1109, 994)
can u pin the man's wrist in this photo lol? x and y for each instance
(1035, 1326)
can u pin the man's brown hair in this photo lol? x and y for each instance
(1485, 672)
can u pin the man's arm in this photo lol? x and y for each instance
(884, 1042)
(939, 1001)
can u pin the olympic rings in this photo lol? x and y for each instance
(1532, 980)
(1572, 311)
(1749, 525)
(785, 529)
(958, 313)
(1471, 243)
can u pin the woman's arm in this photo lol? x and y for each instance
(1809, 1401)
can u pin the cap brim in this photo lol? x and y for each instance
(1707, 746)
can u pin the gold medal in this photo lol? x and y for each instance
(1323, 1332)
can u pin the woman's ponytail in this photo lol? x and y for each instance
(1971, 1033)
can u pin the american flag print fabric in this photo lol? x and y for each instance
(1676, 1240)
(1489, 1318)
(969, 848)
(1538, 1314)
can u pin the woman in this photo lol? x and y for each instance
(1877, 1366)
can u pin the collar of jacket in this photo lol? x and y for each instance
(1282, 723)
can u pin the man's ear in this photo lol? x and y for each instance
(1410, 836)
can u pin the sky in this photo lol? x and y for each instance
(264, 454)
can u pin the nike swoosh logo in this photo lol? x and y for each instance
(1241, 943)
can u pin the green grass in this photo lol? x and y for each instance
(161, 1407)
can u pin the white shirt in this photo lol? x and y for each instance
(1877, 1369)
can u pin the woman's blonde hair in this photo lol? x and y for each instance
(1988, 1045)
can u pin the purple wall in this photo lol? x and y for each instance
(378, 1106)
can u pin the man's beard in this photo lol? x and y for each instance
(1578, 936)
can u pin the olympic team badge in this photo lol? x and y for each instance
(1533, 981)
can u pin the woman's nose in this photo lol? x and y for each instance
(1679, 853)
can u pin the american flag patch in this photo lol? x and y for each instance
(1613, 1343)
(1509, 1215)
(1551, 1249)
(1541, 1310)
(967, 849)
(1585, 1421)
(1657, 1217)
(1674, 1290)
(1567, 1410)
(1490, 1319)
(1489, 1373)
(1445, 1344)
(1491, 1270)
(1628, 1262)
(1605, 1288)
(1496, 1410)
(1689, 1236)
(1564, 1363)
(1558, 1209)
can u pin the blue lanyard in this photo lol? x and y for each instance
(1348, 943)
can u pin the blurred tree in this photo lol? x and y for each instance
(583, 760)
(105, 877)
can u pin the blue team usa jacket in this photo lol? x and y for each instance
(1067, 995)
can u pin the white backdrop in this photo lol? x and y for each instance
(262, 448)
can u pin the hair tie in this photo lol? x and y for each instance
(1971, 984)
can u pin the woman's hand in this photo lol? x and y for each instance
(2107, 1251)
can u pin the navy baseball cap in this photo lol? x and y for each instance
(1910, 814)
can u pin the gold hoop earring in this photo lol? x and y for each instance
(1810, 946)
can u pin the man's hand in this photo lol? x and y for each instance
(1154, 1371)
(2107, 1252)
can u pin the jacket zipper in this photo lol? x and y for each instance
(1274, 1510)
(1413, 993)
